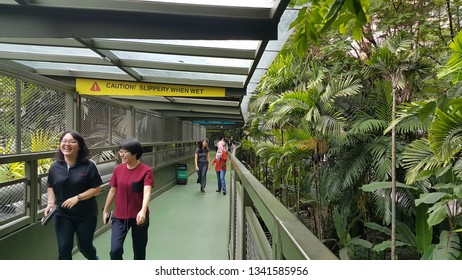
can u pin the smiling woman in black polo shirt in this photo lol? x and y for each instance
(73, 183)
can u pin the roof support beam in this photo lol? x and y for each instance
(108, 55)
(30, 21)
(181, 107)
(201, 116)
(7, 68)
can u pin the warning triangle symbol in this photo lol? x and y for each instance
(95, 87)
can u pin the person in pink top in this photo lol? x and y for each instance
(220, 167)
(131, 186)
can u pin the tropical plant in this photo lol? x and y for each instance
(40, 140)
(319, 16)
(447, 249)
(399, 64)
(453, 68)
(13, 170)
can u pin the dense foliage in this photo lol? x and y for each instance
(359, 125)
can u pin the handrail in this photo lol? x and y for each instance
(291, 239)
(29, 196)
(4, 159)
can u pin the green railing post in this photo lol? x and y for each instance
(32, 204)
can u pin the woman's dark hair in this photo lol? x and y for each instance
(199, 144)
(84, 153)
(133, 146)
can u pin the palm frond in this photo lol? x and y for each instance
(414, 117)
(341, 87)
(448, 248)
(381, 199)
(380, 150)
(458, 168)
(418, 157)
(332, 125)
(346, 171)
(454, 65)
(399, 43)
(445, 134)
(367, 125)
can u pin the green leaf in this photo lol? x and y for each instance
(311, 33)
(341, 21)
(426, 111)
(350, 6)
(331, 16)
(378, 227)
(360, 13)
(315, 17)
(335, 9)
(384, 185)
(448, 248)
(386, 245)
(442, 186)
(425, 174)
(357, 32)
(428, 253)
(437, 215)
(457, 192)
(404, 234)
(442, 170)
(423, 232)
(454, 64)
(361, 242)
(300, 17)
(429, 198)
(344, 253)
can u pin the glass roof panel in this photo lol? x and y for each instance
(183, 59)
(234, 3)
(258, 75)
(190, 75)
(224, 44)
(210, 102)
(266, 59)
(72, 67)
(123, 58)
(47, 50)
(283, 30)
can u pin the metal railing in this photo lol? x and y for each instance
(262, 228)
(22, 201)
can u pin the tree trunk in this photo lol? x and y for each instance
(318, 195)
(297, 194)
(451, 28)
(393, 169)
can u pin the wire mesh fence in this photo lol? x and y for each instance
(32, 119)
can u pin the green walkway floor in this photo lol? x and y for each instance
(184, 225)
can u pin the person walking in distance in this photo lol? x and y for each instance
(73, 182)
(131, 184)
(202, 160)
(220, 167)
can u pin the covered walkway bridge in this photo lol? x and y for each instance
(166, 73)
(246, 223)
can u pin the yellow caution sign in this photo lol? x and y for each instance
(107, 87)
